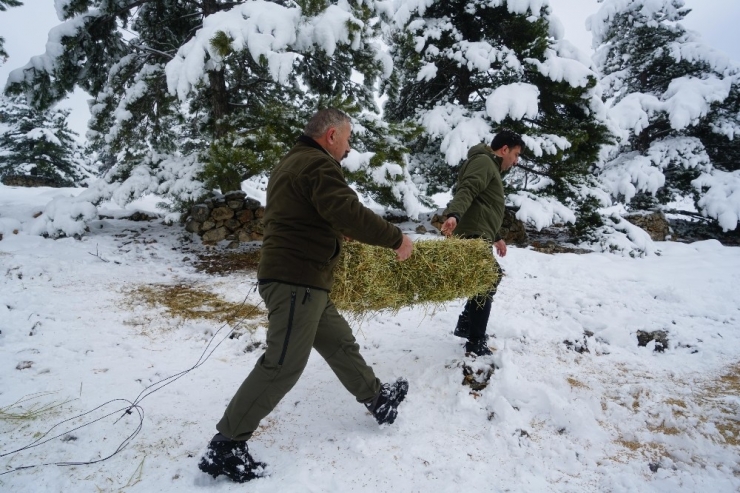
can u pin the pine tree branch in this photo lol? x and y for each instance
(151, 50)
(687, 213)
(532, 170)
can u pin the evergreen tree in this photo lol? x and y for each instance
(4, 4)
(39, 144)
(197, 96)
(200, 96)
(677, 103)
(466, 69)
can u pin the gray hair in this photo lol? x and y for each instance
(323, 120)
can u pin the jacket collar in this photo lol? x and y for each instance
(305, 139)
(496, 159)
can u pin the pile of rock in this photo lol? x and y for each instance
(654, 223)
(233, 217)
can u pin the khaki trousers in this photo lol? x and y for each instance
(299, 319)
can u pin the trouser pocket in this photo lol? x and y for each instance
(291, 314)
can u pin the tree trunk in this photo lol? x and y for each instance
(219, 100)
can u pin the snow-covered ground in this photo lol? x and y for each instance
(615, 418)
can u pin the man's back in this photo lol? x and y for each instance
(309, 209)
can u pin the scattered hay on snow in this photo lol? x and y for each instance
(187, 302)
(30, 407)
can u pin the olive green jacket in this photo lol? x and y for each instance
(478, 201)
(309, 210)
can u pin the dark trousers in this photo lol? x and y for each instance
(299, 320)
(474, 318)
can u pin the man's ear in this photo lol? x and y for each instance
(330, 134)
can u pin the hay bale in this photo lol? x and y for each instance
(369, 278)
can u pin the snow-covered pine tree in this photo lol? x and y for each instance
(246, 76)
(39, 144)
(677, 103)
(116, 51)
(4, 4)
(320, 54)
(466, 69)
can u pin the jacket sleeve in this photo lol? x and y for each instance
(338, 204)
(475, 178)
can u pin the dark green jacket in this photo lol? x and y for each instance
(479, 197)
(309, 210)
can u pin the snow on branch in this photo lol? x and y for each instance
(405, 9)
(264, 28)
(634, 112)
(620, 236)
(540, 211)
(689, 48)
(600, 22)
(688, 98)
(542, 144)
(270, 32)
(721, 200)
(480, 55)
(459, 130)
(518, 100)
(560, 69)
(47, 63)
(388, 174)
(685, 101)
(633, 172)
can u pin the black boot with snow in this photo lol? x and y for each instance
(384, 405)
(477, 347)
(462, 329)
(230, 458)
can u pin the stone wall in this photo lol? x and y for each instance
(654, 223)
(33, 181)
(227, 217)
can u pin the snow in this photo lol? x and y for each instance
(540, 211)
(687, 101)
(688, 98)
(552, 419)
(721, 201)
(46, 134)
(54, 48)
(518, 100)
(388, 174)
(598, 23)
(271, 32)
(559, 69)
(266, 29)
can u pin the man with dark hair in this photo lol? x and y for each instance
(477, 211)
(310, 209)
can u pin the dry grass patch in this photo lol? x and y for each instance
(721, 397)
(30, 407)
(223, 263)
(577, 384)
(188, 302)
(713, 402)
(650, 450)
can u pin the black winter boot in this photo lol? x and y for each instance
(384, 405)
(230, 458)
(478, 347)
(462, 329)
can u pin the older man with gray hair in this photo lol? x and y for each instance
(310, 209)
